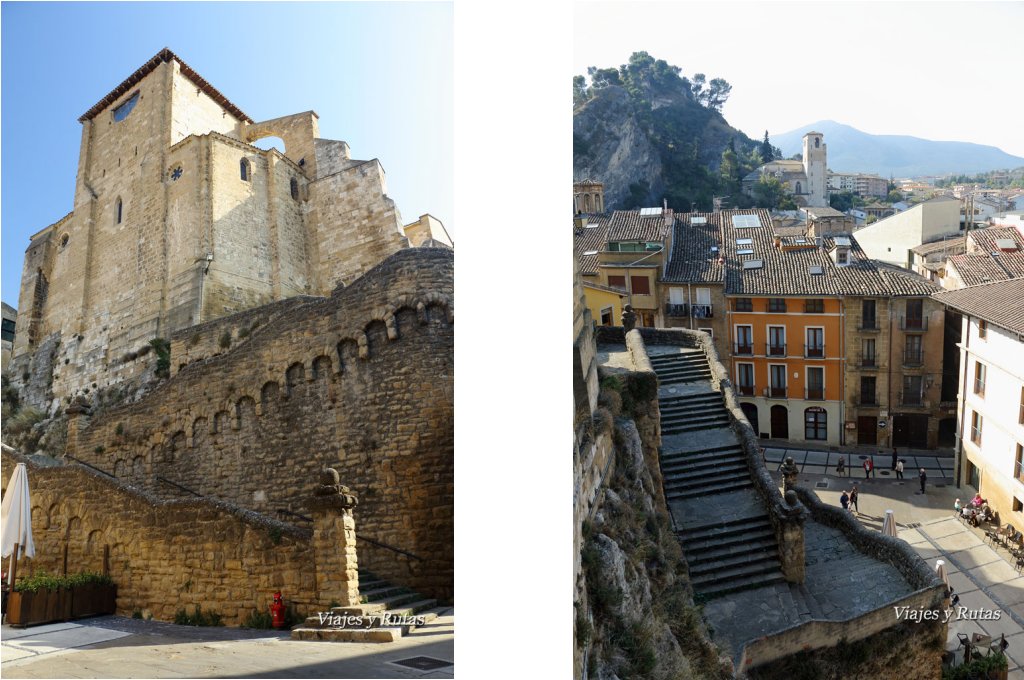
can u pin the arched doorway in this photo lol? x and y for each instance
(750, 411)
(780, 422)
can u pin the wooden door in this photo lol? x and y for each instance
(867, 430)
(780, 422)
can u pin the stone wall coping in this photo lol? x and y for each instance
(637, 349)
(894, 551)
(253, 519)
(796, 638)
(356, 164)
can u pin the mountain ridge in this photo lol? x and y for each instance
(853, 150)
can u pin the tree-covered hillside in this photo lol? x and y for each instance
(649, 133)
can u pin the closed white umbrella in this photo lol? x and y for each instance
(940, 569)
(889, 525)
(16, 520)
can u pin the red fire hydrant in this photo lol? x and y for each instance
(277, 610)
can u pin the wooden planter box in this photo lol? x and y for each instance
(93, 600)
(47, 606)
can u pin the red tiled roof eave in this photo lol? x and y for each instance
(163, 56)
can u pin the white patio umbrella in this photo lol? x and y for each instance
(940, 569)
(16, 520)
(889, 525)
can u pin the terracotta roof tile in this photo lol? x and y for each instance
(590, 239)
(999, 302)
(630, 225)
(692, 260)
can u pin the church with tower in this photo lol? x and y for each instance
(806, 179)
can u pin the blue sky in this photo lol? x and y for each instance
(379, 75)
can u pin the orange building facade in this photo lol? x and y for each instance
(787, 365)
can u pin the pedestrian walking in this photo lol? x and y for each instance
(869, 467)
(854, 495)
(844, 500)
(899, 469)
(924, 478)
(841, 466)
(894, 461)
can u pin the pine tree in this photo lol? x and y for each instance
(766, 149)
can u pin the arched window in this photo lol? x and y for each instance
(120, 207)
(799, 189)
(295, 188)
(243, 167)
(817, 142)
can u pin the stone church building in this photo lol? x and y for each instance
(178, 220)
(806, 179)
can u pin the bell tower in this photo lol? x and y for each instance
(816, 169)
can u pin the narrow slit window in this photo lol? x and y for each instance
(120, 207)
(243, 168)
(295, 188)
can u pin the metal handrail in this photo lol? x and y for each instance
(359, 537)
(183, 488)
(82, 462)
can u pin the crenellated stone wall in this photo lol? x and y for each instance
(361, 381)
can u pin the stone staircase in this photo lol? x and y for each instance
(733, 555)
(690, 412)
(724, 529)
(387, 613)
(704, 472)
(678, 368)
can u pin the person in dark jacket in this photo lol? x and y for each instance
(854, 496)
(844, 500)
(924, 478)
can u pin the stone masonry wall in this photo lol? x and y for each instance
(166, 555)
(361, 381)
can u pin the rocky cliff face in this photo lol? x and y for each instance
(668, 148)
(609, 145)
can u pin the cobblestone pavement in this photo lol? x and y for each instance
(118, 647)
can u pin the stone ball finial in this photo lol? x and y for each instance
(329, 477)
(791, 498)
(331, 492)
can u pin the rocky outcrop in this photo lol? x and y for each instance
(609, 144)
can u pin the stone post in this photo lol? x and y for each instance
(78, 419)
(334, 541)
(789, 472)
(791, 543)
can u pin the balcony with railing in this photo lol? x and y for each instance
(913, 323)
(773, 350)
(868, 324)
(743, 348)
(911, 399)
(702, 311)
(913, 358)
(746, 390)
(814, 351)
(814, 393)
(866, 399)
(775, 392)
(868, 362)
(979, 387)
(681, 310)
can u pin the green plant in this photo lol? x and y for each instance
(225, 340)
(99, 449)
(275, 535)
(137, 614)
(119, 430)
(244, 333)
(981, 667)
(44, 581)
(583, 630)
(24, 420)
(258, 619)
(199, 618)
(195, 340)
(163, 356)
(333, 604)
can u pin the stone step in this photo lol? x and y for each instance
(738, 556)
(707, 451)
(693, 427)
(680, 368)
(717, 577)
(736, 526)
(703, 490)
(673, 405)
(393, 601)
(713, 590)
(707, 545)
(347, 634)
(683, 376)
(677, 356)
(678, 480)
(371, 584)
(423, 611)
(689, 458)
(735, 462)
(381, 592)
(694, 416)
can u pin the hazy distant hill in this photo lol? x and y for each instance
(850, 150)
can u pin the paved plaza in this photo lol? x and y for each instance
(982, 575)
(119, 647)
